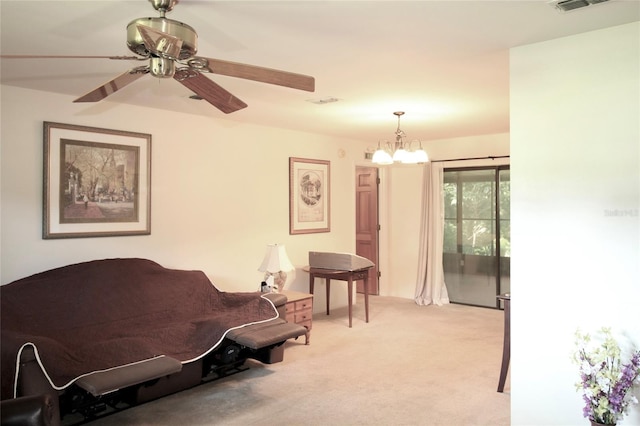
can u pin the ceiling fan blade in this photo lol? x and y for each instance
(159, 43)
(127, 58)
(114, 85)
(208, 90)
(264, 75)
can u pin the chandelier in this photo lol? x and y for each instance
(400, 151)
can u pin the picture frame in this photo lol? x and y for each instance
(97, 182)
(309, 196)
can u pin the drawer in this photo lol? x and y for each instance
(360, 276)
(289, 308)
(304, 304)
(290, 317)
(303, 316)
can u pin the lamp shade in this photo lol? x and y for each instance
(276, 260)
(382, 157)
(409, 158)
(401, 155)
(421, 156)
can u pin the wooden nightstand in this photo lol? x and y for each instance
(299, 309)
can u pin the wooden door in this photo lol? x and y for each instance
(367, 222)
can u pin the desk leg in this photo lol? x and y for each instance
(328, 281)
(350, 289)
(506, 346)
(312, 279)
(366, 296)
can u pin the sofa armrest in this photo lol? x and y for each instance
(33, 382)
(32, 410)
(278, 299)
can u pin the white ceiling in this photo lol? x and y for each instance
(445, 63)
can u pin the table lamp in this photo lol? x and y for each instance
(276, 264)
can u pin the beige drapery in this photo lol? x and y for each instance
(430, 286)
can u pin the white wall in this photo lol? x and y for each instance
(575, 159)
(400, 203)
(209, 213)
(220, 193)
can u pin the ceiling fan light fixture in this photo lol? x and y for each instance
(162, 68)
(399, 151)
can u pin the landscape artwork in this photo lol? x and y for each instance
(99, 182)
(96, 182)
(309, 196)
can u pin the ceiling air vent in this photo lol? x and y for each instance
(568, 5)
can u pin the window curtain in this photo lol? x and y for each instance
(430, 287)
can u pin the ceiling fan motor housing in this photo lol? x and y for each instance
(184, 32)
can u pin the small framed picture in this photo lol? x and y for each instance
(97, 182)
(309, 196)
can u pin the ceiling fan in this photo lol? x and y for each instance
(170, 47)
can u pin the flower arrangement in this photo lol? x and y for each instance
(606, 382)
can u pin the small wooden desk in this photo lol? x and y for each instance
(506, 344)
(349, 276)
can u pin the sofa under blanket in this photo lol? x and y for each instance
(104, 314)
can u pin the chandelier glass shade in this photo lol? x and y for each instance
(400, 151)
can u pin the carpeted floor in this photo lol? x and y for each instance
(410, 365)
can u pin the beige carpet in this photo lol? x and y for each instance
(410, 365)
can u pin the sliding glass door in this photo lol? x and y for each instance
(477, 234)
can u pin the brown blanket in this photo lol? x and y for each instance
(107, 313)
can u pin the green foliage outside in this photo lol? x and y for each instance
(470, 212)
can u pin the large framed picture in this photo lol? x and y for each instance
(309, 196)
(97, 182)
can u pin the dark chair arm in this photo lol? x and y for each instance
(32, 410)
